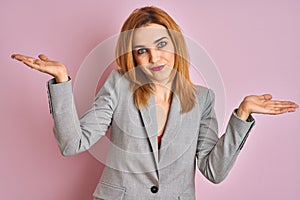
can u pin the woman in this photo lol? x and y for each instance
(162, 124)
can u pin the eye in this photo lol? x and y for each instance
(141, 51)
(162, 44)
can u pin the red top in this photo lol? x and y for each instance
(159, 139)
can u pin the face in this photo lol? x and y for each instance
(153, 51)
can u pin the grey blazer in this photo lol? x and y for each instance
(135, 167)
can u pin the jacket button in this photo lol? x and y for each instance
(154, 189)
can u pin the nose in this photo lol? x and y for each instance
(154, 55)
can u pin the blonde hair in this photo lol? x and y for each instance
(182, 85)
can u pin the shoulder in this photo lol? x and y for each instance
(204, 93)
(115, 75)
(205, 98)
(113, 88)
(116, 79)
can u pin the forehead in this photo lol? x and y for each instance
(148, 34)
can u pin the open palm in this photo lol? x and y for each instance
(45, 65)
(264, 104)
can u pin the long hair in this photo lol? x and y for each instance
(182, 85)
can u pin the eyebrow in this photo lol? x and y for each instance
(156, 41)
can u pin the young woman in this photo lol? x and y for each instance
(162, 124)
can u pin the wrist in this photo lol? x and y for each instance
(242, 112)
(63, 77)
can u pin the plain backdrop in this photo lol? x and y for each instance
(255, 45)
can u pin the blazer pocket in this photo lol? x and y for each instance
(109, 191)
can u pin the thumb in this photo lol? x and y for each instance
(43, 57)
(267, 96)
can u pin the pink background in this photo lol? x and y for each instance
(255, 45)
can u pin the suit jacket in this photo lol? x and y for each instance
(135, 167)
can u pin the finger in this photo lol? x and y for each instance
(32, 65)
(291, 104)
(21, 57)
(18, 57)
(36, 64)
(40, 63)
(287, 104)
(277, 111)
(267, 96)
(291, 109)
(43, 57)
(285, 110)
(31, 59)
(15, 56)
(282, 104)
(282, 110)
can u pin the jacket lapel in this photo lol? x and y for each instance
(148, 115)
(173, 124)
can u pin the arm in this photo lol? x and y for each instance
(73, 135)
(216, 156)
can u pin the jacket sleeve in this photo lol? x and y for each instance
(76, 135)
(216, 156)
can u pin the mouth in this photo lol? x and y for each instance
(157, 68)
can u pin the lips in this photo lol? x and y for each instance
(157, 68)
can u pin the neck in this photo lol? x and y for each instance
(163, 92)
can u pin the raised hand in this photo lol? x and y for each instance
(264, 105)
(45, 65)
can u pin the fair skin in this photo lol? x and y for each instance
(154, 53)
